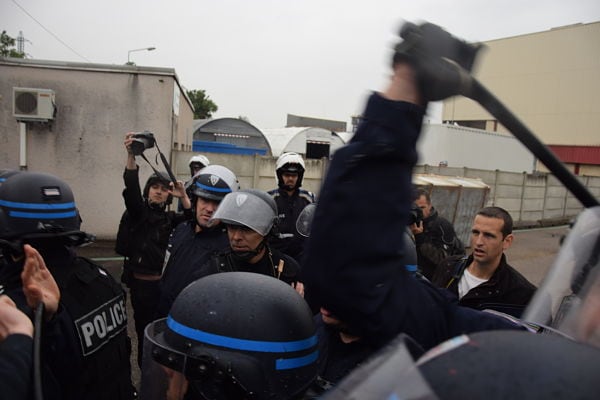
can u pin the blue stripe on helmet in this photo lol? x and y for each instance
(37, 206)
(212, 188)
(240, 344)
(290, 363)
(31, 215)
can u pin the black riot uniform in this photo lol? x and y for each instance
(267, 265)
(98, 366)
(85, 347)
(187, 253)
(289, 208)
(190, 248)
(290, 203)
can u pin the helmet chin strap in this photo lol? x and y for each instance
(249, 254)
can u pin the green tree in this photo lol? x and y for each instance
(203, 105)
(7, 45)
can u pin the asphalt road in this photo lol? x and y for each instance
(532, 253)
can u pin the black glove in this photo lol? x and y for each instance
(443, 62)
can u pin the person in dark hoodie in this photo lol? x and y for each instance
(435, 237)
(143, 236)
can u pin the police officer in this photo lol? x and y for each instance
(196, 163)
(86, 348)
(249, 216)
(143, 236)
(291, 200)
(237, 335)
(193, 243)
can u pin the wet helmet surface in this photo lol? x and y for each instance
(239, 332)
(251, 207)
(36, 204)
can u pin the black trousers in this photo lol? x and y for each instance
(144, 300)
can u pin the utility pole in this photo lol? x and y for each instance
(21, 43)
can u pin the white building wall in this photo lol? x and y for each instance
(472, 148)
(96, 104)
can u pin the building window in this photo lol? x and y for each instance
(317, 150)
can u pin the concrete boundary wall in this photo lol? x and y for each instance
(537, 199)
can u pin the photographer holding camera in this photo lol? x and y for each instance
(144, 231)
(434, 235)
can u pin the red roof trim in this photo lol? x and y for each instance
(577, 154)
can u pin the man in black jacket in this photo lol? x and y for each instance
(434, 236)
(484, 279)
(143, 237)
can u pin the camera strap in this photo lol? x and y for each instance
(164, 161)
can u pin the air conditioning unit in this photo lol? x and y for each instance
(33, 104)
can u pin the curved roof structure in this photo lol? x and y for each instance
(232, 132)
(242, 134)
(294, 139)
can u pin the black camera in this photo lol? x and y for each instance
(142, 141)
(415, 216)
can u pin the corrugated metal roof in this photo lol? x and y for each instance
(577, 154)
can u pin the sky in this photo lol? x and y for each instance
(263, 59)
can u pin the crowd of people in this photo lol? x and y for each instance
(229, 300)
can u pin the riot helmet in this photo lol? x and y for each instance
(213, 183)
(290, 163)
(37, 207)
(160, 178)
(197, 162)
(502, 364)
(237, 335)
(7, 173)
(251, 207)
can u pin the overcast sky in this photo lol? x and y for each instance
(263, 59)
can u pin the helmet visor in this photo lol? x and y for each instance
(569, 297)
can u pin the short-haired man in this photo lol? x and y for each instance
(484, 280)
(435, 237)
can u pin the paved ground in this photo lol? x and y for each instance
(532, 253)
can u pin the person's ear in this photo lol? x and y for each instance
(507, 241)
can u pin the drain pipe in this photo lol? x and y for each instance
(22, 145)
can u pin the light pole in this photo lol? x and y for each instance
(129, 62)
